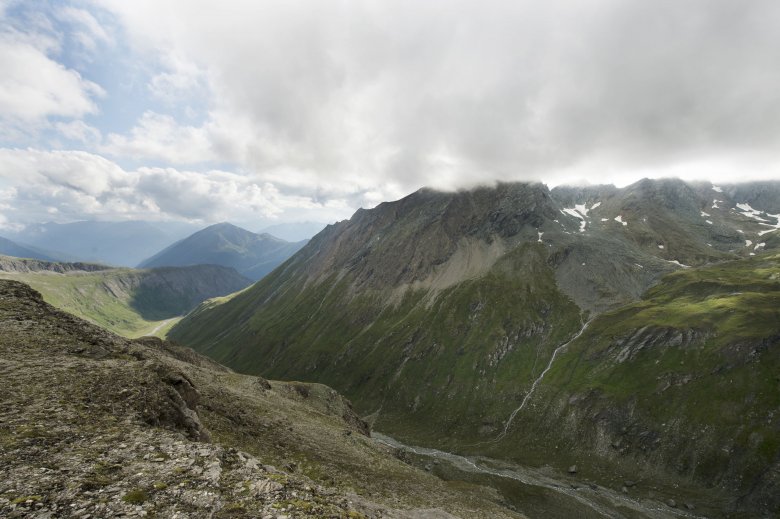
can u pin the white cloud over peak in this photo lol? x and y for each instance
(264, 108)
(447, 92)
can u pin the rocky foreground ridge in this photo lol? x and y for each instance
(95, 425)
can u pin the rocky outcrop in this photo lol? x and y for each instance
(13, 264)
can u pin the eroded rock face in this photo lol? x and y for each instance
(330, 401)
(176, 405)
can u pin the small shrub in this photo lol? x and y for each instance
(135, 497)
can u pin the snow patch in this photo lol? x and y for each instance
(717, 189)
(749, 212)
(705, 214)
(580, 211)
(748, 243)
(774, 226)
(679, 264)
(619, 219)
(660, 246)
(576, 214)
(760, 246)
(605, 219)
(540, 236)
(708, 221)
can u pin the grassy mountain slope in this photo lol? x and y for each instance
(435, 313)
(680, 386)
(438, 297)
(126, 301)
(91, 423)
(486, 335)
(252, 255)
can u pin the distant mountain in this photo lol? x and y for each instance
(252, 255)
(10, 248)
(296, 231)
(113, 243)
(437, 314)
(126, 301)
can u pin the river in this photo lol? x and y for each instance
(536, 493)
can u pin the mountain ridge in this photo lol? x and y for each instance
(12, 248)
(122, 243)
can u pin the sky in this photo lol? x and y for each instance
(266, 111)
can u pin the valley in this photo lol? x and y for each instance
(444, 317)
(126, 301)
(578, 351)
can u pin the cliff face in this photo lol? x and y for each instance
(23, 265)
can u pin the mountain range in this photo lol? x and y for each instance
(111, 243)
(10, 248)
(252, 255)
(625, 334)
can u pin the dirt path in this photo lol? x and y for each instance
(161, 325)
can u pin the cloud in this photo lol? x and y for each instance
(180, 77)
(275, 108)
(87, 30)
(445, 92)
(161, 137)
(38, 185)
(34, 86)
(79, 131)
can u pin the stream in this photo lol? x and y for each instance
(536, 492)
(536, 383)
